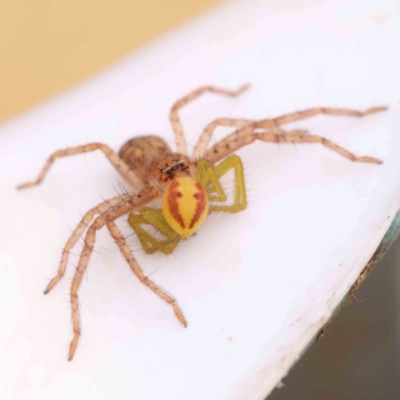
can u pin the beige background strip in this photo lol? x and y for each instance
(47, 46)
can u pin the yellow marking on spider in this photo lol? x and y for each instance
(208, 176)
(185, 205)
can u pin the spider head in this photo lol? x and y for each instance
(185, 205)
(173, 166)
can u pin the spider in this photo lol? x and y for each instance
(189, 187)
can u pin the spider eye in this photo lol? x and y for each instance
(185, 205)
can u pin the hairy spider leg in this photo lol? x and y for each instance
(247, 135)
(108, 218)
(155, 218)
(205, 137)
(113, 157)
(274, 123)
(174, 117)
(76, 234)
(311, 112)
(211, 180)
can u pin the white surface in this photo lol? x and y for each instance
(255, 286)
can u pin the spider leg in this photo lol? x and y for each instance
(174, 117)
(113, 157)
(76, 234)
(247, 134)
(311, 112)
(119, 239)
(154, 217)
(107, 219)
(121, 208)
(208, 131)
(243, 137)
(240, 200)
(274, 123)
(209, 178)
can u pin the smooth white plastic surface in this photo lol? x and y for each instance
(256, 286)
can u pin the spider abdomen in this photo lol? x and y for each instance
(185, 205)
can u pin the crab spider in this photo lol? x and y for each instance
(189, 187)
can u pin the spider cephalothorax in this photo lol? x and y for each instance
(189, 187)
(172, 166)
